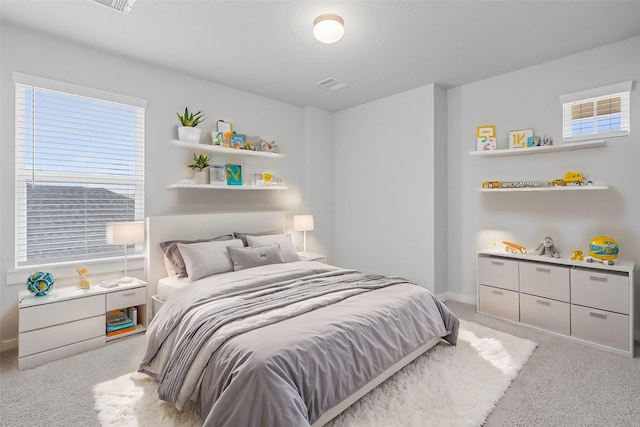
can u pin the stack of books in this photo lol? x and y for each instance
(119, 323)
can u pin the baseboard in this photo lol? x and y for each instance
(467, 299)
(8, 344)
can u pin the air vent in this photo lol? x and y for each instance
(331, 84)
(123, 6)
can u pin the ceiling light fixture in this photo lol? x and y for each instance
(328, 28)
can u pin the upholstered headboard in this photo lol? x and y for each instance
(199, 226)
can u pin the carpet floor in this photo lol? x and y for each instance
(453, 386)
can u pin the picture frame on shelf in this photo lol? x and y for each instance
(233, 174)
(237, 141)
(519, 138)
(224, 126)
(218, 175)
(486, 131)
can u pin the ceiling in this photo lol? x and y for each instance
(266, 47)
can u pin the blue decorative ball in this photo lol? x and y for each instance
(40, 283)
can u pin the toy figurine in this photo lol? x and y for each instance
(577, 255)
(548, 248)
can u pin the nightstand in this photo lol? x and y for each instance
(69, 320)
(310, 256)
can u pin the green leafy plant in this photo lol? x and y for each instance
(190, 119)
(200, 161)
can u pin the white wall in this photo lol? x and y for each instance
(384, 196)
(529, 98)
(167, 92)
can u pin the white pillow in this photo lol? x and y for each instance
(289, 252)
(207, 258)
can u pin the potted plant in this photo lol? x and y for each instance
(188, 131)
(200, 167)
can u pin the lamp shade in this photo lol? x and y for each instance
(303, 222)
(125, 233)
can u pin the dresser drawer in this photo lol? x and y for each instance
(545, 313)
(545, 280)
(498, 272)
(61, 335)
(55, 313)
(498, 302)
(606, 291)
(126, 298)
(602, 327)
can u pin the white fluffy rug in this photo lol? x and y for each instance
(447, 386)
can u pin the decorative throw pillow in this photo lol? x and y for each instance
(289, 252)
(207, 258)
(170, 249)
(243, 258)
(243, 236)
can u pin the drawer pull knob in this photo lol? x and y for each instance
(497, 262)
(543, 270)
(539, 301)
(128, 294)
(598, 315)
(598, 278)
(497, 292)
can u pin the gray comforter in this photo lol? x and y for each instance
(283, 345)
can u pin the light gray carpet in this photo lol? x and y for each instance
(563, 384)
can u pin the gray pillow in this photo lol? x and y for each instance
(171, 251)
(243, 236)
(243, 258)
(207, 258)
(289, 252)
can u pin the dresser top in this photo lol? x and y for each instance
(624, 266)
(57, 294)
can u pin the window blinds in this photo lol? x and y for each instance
(597, 112)
(79, 166)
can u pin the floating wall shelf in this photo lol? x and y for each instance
(592, 187)
(227, 187)
(224, 150)
(539, 150)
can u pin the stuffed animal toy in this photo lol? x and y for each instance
(548, 248)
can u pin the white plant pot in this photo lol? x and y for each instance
(201, 177)
(189, 134)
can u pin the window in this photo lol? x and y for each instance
(79, 166)
(596, 113)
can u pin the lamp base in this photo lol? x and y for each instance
(125, 279)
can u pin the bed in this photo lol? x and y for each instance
(286, 342)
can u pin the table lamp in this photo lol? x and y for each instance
(303, 223)
(125, 233)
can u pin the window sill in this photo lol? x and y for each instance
(592, 137)
(65, 270)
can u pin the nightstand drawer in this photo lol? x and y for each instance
(498, 302)
(545, 313)
(498, 272)
(55, 313)
(606, 291)
(545, 280)
(61, 335)
(126, 298)
(602, 327)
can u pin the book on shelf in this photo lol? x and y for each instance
(121, 331)
(128, 324)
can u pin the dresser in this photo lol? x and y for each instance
(590, 303)
(70, 321)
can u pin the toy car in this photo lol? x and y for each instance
(571, 178)
(490, 184)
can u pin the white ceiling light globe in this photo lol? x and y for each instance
(328, 28)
